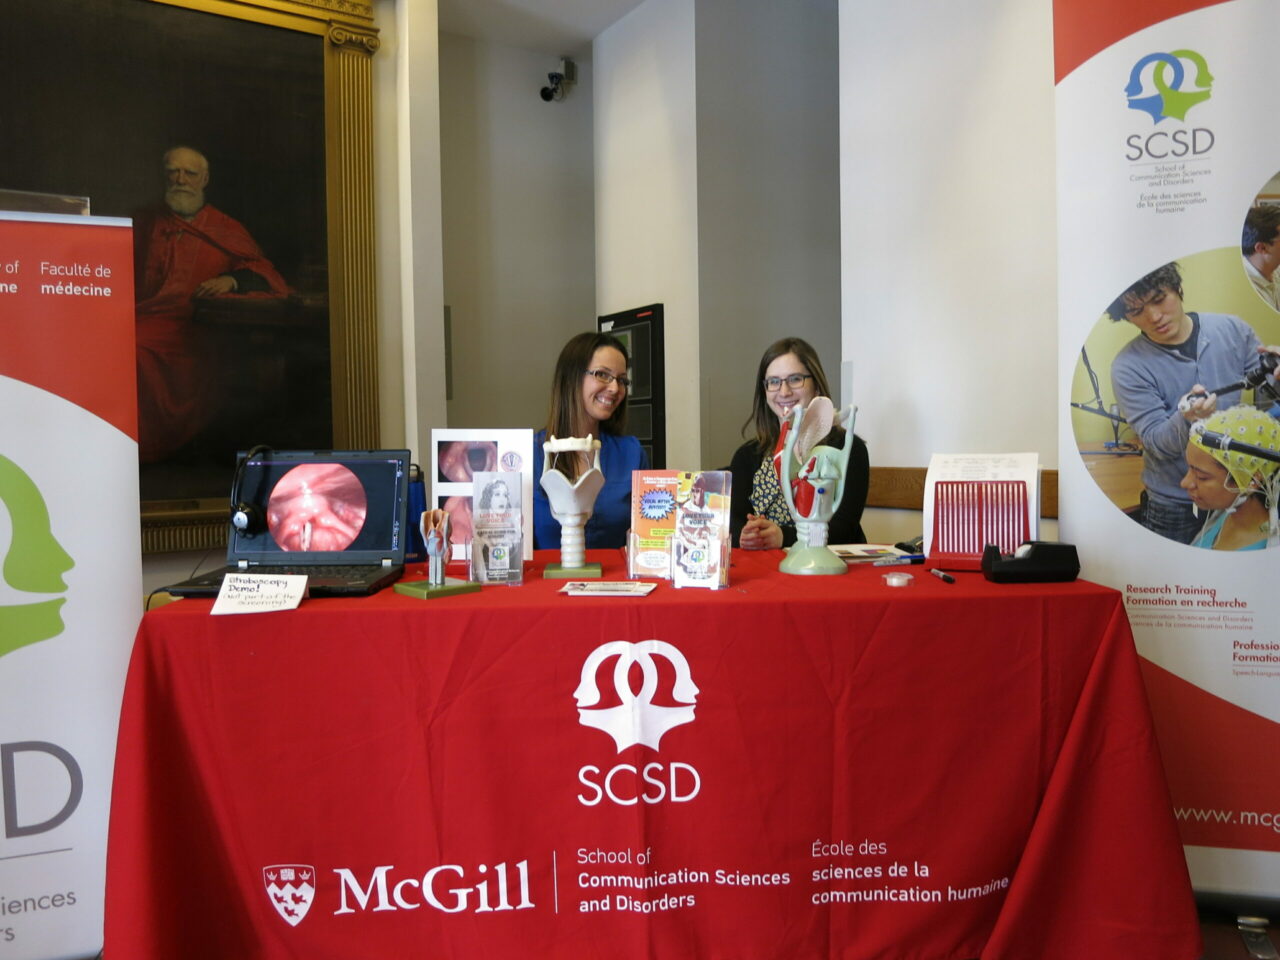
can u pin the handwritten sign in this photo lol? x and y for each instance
(259, 593)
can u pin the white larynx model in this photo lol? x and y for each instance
(572, 503)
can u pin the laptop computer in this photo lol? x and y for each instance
(337, 516)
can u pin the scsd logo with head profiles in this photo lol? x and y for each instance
(637, 720)
(1175, 83)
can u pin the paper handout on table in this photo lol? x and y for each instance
(607, 588)
(864, 552)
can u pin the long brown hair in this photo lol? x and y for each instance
(566, 417)
(763, 421)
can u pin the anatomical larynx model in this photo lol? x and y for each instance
(435, 534)
(812, 477)
(435, 527)
(572, 503)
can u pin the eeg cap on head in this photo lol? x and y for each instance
(1246, 425)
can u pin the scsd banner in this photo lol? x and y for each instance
(1169, 243)
(70, 583)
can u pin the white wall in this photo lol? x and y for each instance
(646, 193)
(948, 230)
(519, 231)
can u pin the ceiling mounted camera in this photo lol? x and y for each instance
(558, 81)
(554, 90)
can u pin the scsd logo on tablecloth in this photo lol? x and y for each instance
(636, 720)
(291, 888)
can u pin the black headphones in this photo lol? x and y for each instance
(246, 517)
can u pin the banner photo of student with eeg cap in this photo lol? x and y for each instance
(1169, 340)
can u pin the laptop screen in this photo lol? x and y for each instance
(328, 506)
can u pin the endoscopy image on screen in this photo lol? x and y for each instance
(317, 506)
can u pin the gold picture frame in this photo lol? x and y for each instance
(276, 96)
(350, 40)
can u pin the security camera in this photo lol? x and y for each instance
(555, 89)
(558, 81)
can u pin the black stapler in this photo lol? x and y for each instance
(1036, 561)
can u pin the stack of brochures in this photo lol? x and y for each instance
(680, 527)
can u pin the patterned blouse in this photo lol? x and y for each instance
(766, 495)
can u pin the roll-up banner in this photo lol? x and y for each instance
(1169, 271)
(70, 568)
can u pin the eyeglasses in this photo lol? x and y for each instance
(605, 377)
(795, 381)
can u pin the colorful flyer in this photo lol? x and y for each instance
(653, 522)
(700, 545)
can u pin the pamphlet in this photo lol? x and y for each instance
(653, 522)
(865, 552)
(680, 526)
(497, 536)
(607, 588)
(700, 545)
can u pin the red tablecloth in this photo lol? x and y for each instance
(937, 771)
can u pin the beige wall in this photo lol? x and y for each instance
(647, 193)
(717, 190)
(768, 198)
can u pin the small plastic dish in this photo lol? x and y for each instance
(897, 579)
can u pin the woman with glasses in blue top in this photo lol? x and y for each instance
(789, 376)
(589, 396)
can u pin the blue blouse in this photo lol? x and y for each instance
(1209, 533)
(611, 517)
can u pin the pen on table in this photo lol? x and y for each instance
(944, 577)
(899, 561)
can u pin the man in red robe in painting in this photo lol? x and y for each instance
(190, 250)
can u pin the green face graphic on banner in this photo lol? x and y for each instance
(1175, 89)
(34, 562)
